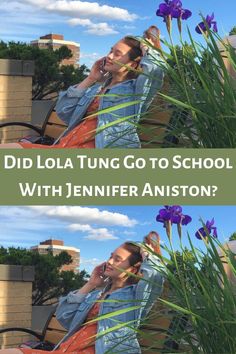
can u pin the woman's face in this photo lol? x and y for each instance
(118, 264)
(118, 53)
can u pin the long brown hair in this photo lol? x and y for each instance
(135, 54)
(135, 259)
(154, 239)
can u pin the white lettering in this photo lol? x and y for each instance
(11, 161)
(130, 162)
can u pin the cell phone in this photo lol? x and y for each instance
(103, 271)
(105, 278)
(104, 268)
(102, 66)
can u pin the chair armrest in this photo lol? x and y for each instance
(19, 329)
(23, 124)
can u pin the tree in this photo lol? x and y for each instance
(50, 76)
(50, 283)
(232, 31)
(232, 237)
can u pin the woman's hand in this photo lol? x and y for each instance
(96, 279)
(152, 241)
(151, 35)
(96, 73)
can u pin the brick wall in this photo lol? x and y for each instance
(15, 302)
(15, 97)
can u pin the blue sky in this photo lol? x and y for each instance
(96, 231)
(97, 25)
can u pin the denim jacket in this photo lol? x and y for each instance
(73, 309)
(117, 128)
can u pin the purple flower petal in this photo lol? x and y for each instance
(209, 224)
(176, 13)
(176, 3)
(215, 28)
(200, 27)
(209, 21)
(186, 14)
(164, 10)
(200, 233)
(176, 219)
(186, 219)
(215, 232)
(176, 209)
(207, 230)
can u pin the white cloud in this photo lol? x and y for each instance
(79, 227)
(28, 14)
(129, 233)
(83, 9)
(85, 215)
(89, 263)
(92, 261)
(98, 234)
(99, 29)
(27, 225)
(91, 56)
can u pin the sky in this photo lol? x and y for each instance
(97, 231)
(97, 25)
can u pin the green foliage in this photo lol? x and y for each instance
(205, 297)
(232, 237)
(49, 282)
(50, 77)
(232, 31)
(203, 91)
(181, 262)
(200, 302)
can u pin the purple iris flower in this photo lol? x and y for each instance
(207, 230)
(173, 214)
(186, 14)
(173, 8)
(209, 21)
(186, 219)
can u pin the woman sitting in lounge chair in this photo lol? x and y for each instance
(129, 73)
(128, 279)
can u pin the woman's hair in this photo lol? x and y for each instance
(134, 249)
(134, 259)
(135, 54)
(155, 238)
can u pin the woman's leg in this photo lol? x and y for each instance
(10, 351)
(11, 146)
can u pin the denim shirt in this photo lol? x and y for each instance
(73, 309)
(118, 127)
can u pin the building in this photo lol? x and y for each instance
(55, 41)
(56, 247)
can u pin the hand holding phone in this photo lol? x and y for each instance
(103, 276)
(97, 71)
(102, 68)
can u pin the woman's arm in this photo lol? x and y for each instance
(68, 305)
(150, 286)
(68, 100)
(150, 81)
